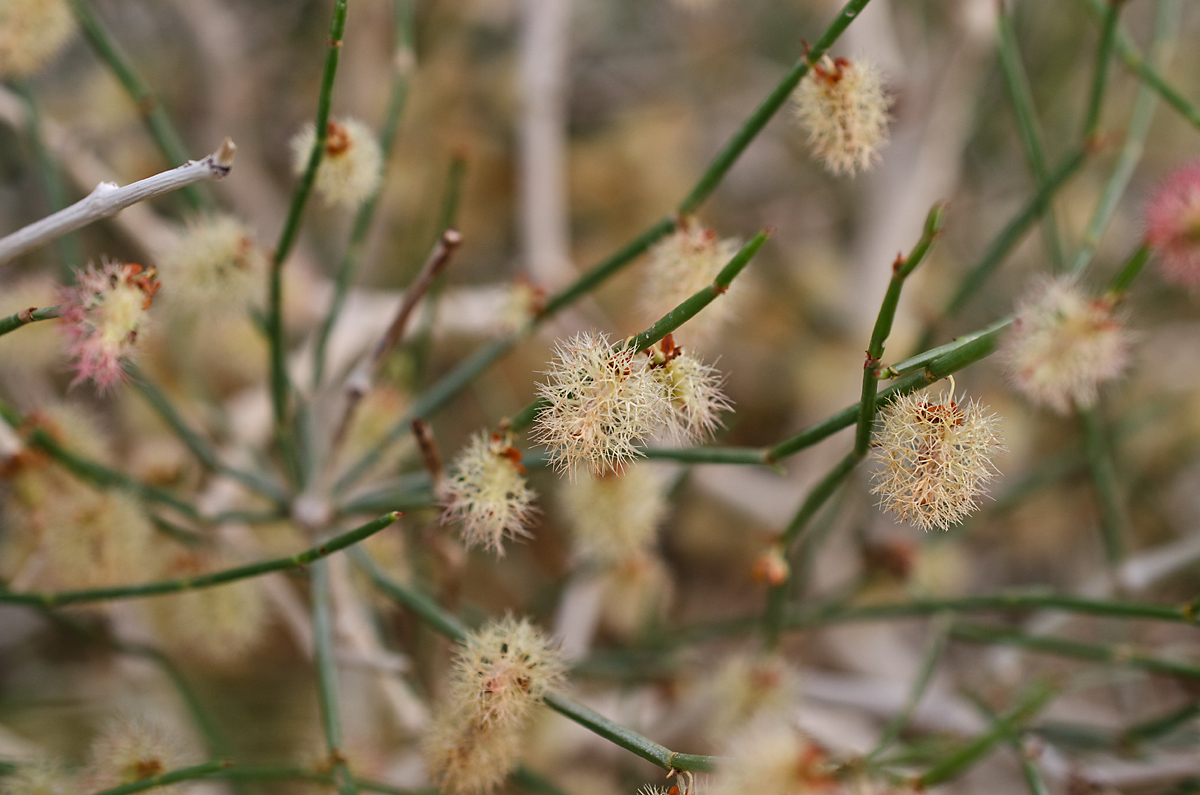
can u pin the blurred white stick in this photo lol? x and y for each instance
(108, 199)
(543, 145)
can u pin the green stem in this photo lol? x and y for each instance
(777, 596)
(625, 738)
(152, 782)
(950, 358)
(1104, 479)
(1165, 22)
(238, 772)
(774, 101)
(1149, 74)
(754, 456)
(197, 445)
(1109, 655)
(279, 378)
(447, 624)
(1157, 728)
(409, 496)
(1129, 271)
(31, 315)
(94, 472)
(327, 697)
(1028, 704)
(1008, 237)
(335, 544)
(939, 634)
(52, 181)
(1112, 17)
(403, 60)
(154, 115)
(901, 269)
(1031, 137)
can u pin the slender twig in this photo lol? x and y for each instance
(939, 632)
(920, 373)
(1148, 72)
(403, 66)
(27, 316)
(108, 199)
(1104, 479)
(153, 113)
(153, 782)
(196, 444)
(1165, 22)
(93, 471)
(1109, 655)
(360, 380)
(449, 625)
(1112, 17)
(1017, 81)
(238, 772)
(1129, 271)
(291, 228)
(327, 696)
(1027, 705)
(902, 268)
(335, 544)
(51, 176)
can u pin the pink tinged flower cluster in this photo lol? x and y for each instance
(1173, 226)
(1064, 345)
(104, 314)
(486, 493)
(936, 458)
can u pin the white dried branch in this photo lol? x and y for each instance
(107, 199)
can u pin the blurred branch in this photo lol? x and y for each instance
(403, 66)
(108, 199)
(327, 690)
(334, 544)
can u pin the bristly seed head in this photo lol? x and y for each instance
(842, 106)
(601, 402)
(352, 165)
(680, 265)
(936, 457)
(692, 390)
(486, 493)
(1063, 345)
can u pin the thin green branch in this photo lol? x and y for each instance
(31, 315)
(1146, 71)
(902, 268)
(52, 181)
(153, 782)
(777, 596)
(154, 115)
(1108, 34)
(196, 444)
(939, 634)
(327, 696)
(1165, 22)
(92, 471)
(921, 371)
(1104, 479)
(403, 65)
(1028, 704)
(280, 388)
(1122, 656)
(774, 101)
(625, 738)
(1129, 271)
(1157, 728)
(1019, 90)
(753, 456)
(446, 623)
(335, 544)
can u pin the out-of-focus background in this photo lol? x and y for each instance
(631, 99)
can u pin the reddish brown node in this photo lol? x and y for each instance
(337, 138)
